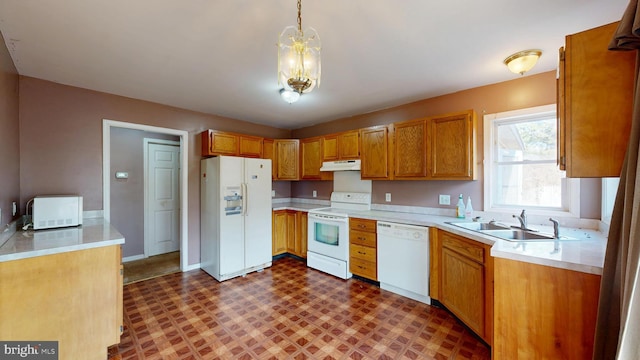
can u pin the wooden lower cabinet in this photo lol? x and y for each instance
(290, 232)
(464, 280)
(74, 298)
(543, 312)
(363, 248)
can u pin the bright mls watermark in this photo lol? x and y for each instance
(32, 350)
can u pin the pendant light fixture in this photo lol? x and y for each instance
(298, 60)
(522, 61)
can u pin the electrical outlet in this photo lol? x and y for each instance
(14, 209)
(315, 193)
(444, 200)
(387, 197)
(273, 193)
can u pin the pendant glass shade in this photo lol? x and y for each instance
(299, 59)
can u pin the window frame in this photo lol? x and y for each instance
(571, 197)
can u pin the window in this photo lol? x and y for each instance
(520, 164)
(609, 191)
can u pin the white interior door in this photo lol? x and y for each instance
(163, 194)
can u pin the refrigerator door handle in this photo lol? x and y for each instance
(244, 198)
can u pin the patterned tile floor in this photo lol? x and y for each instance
(285, 312)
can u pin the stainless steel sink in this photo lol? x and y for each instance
(480, 226)
(518, 235)
(506, 232)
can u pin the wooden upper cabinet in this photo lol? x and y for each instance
(410, 150)
(341, 146)
(219, 143)
(269, 153)
(250, 146)
(330, 147)
(311, 154)
(349, 145)
(226, 143)
(287, 163)
(374, 153)
(451, 146)
(595, 99)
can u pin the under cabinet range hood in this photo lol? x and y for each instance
(341, 165)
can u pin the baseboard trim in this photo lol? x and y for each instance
(132, 258)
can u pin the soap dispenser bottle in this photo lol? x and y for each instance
(468, 210)
(460, 208)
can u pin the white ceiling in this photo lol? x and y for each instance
(219, 56)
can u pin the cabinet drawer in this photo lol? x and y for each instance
(363, 268)
(363, 252)
(362, 225)
(462, 247)
(362, 238)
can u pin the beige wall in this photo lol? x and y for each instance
(61, 141)
(522, 92)
(9, 135)
(127, 195)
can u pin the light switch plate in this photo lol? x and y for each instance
(315, 193)
(273, 193)
(444, 200)
(387, 197)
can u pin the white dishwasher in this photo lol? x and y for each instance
(403, 260)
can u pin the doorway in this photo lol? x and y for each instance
(161, 196)
(182, 227)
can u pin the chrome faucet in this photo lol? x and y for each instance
(556, 228)
(523, 221)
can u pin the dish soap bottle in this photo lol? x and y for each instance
(460, 208)
(468, 210)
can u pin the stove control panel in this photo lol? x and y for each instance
(351, 197)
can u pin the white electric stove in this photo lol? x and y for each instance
(328, 233)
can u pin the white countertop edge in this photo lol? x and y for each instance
(584, 268)
(58, 250)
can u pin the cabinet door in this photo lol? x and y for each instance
(330, 147)
(286, 151)
(410, 149)
(219, 143)
(465, 281)
(311, 153)
(291, 231)
(301, 233)
(269, 153)
(463, 289)
(598, 103)
(451, 141)
(349, 145)
(560, 113)
(373, 154)
(250, 146)
(279, 232)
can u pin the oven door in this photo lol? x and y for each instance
(328, 235)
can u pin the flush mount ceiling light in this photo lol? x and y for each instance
(298, 58)
(522, 61)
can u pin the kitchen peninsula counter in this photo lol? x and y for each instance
(93, 233)
(63, 285)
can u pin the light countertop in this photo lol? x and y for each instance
(92, 233)
(585, 254)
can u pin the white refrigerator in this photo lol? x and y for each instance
(235, 216)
